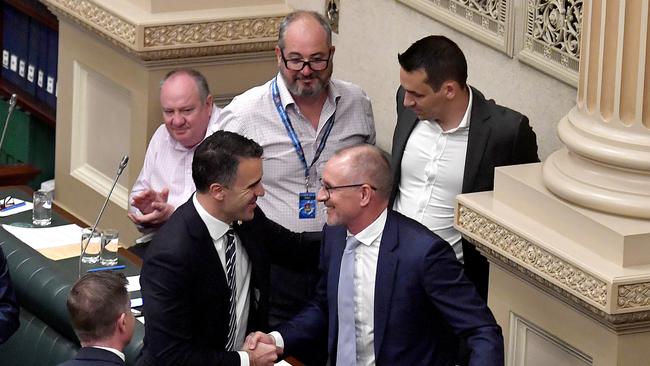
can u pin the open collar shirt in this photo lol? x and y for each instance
(432, 171)
(254, 115)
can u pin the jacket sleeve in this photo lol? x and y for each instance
(9, 311)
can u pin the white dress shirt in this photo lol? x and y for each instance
(168, 164)
(117, 352)
(366, 256)
(254, 115)
(217, 230)
(432, 170)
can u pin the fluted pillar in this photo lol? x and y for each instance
(606, 162)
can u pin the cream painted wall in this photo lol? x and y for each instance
(373, 32)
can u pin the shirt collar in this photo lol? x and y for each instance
(117, 352)
(464, 123)
(216, 227)
(373, 231)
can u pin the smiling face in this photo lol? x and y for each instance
(343, 205)
(239, 198)
(420, 97)
(186, 116)
(305, 39)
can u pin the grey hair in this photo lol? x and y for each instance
(199, 80)
(298, 14)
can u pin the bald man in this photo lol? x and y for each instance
(391, 292)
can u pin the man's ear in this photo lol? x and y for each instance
(121, 323)
(216, 191)
(450, 88)
(278, 55)
(366, 194)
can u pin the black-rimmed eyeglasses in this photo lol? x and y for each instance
(328, 189)
(297, 64)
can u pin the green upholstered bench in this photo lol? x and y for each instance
(45, 336)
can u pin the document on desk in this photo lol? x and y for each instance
(56, 242)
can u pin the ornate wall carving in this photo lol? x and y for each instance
(552, 37)
(549, 29)
(634, 295)
(159, 42)
(554, 268)
(212, 32)
(490, 21)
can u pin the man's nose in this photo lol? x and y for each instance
(322, 195)
(408, 100)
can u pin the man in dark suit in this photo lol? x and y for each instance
(101, 317)
(205, 278)
(390, 290)
(448, 140)
(9, 311)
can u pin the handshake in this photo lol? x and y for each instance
(261, 349)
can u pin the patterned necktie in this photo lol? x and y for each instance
(347, 339)
(231, 257)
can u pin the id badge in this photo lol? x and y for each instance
(307, 205)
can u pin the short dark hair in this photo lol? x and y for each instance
(95, 302)
(199, 80)
(299, 14)
(216, 159)
(440, 58)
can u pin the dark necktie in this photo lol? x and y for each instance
(231, 257)
(346, 354)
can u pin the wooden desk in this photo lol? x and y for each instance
(17, 174)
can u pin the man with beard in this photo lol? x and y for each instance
(300, 117)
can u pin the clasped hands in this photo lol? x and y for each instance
(154, 207)
(261, 349)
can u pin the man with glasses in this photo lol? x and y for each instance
(391, 291)
(300, 117)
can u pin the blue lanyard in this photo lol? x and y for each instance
(292, 133)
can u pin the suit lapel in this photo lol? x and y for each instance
(335, 238)
(385, 279)
(479, 132)
(200, 234)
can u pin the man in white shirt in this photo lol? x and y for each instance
(448, 140)
(100, 312)
(300, 117)
(391, 291)
(165, 181)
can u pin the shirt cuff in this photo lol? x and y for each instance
(243, 358)
(279, 341)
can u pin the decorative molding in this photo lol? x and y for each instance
(624, 322)
(551, 41)
(489, 21)
(521, 330)
(633, 295)
(159, 42)
(556, 269)
(99, 18)
(211, 32)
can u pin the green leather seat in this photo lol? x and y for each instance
(45, 336)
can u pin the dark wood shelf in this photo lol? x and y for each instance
(29, 103)
(17, 174)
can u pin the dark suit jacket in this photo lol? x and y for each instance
(420, 294)
(498, 136)
(90, 356)
(9, 311)
(185, 293)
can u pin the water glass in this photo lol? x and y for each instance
(42, 212)
(108, 255)
(93, 246)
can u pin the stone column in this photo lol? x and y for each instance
(569, 240)
(606, 163)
